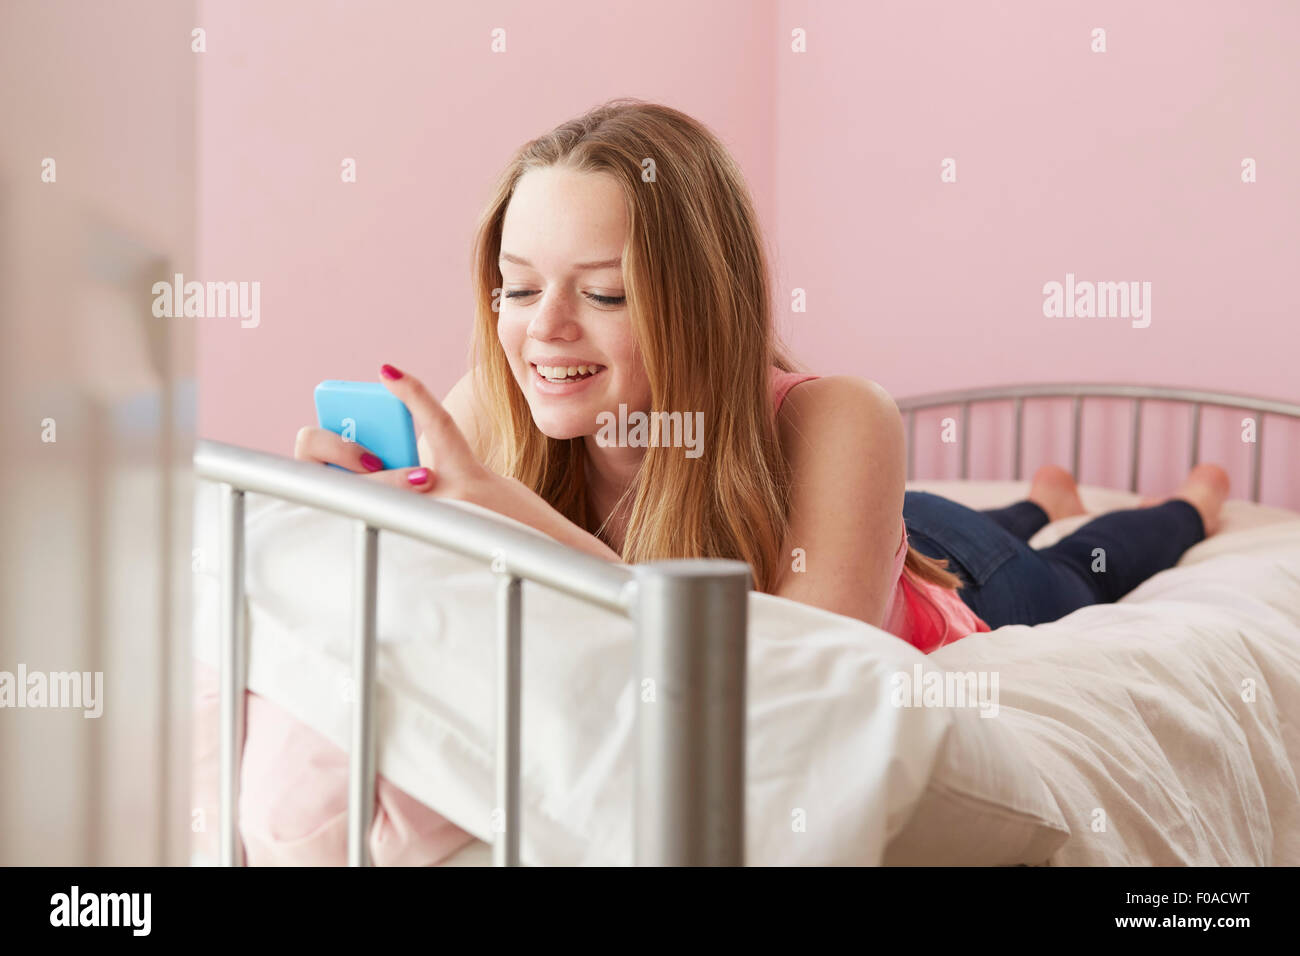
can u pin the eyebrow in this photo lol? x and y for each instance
(604, 264)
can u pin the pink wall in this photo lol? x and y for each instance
(1123, 165)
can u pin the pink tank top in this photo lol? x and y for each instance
(926, 615)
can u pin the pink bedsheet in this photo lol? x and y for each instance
(293, 806)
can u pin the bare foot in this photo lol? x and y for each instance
(1055, 492)
(1205, 488)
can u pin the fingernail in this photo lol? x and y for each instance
(419, 476)
(389, 372)
(372, 462)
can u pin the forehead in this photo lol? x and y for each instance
(558, 216)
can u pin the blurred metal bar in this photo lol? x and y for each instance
(1076, 435)
(965, 440)
(1195, 454)
(234, 670)
(361, 762)
(1018, 449)
(1257, 459)
(1135, 446)
(690, 770)
(509, 703)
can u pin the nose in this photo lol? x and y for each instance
(553, 320)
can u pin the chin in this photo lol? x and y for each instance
(561, 429)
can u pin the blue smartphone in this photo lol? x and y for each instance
(370, 415)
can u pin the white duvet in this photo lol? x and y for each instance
(1167, 726)
(1164, 728)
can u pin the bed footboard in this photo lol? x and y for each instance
(690, 618)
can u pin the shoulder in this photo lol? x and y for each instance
(840, 404)
(841, 431)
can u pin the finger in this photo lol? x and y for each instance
(326, 447)
(430, 417)
(412, 479)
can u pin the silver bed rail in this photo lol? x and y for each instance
(690, 618)
(1137, 394)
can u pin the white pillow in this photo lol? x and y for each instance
(835, 771)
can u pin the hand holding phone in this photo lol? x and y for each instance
(370, 428)
(370, 415)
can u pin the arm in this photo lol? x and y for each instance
(843, 439)
(512, 498)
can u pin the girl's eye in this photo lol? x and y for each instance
(594, 297)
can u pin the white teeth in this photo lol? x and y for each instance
(562, 372)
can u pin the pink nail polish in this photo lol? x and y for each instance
(389, 372)
(372, 462)
(419, 476)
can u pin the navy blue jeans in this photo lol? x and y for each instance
(1008, 582)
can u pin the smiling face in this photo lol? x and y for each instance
(563, 322)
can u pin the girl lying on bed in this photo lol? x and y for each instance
(619, 270)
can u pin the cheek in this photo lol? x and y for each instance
(634, 383)
(511, 336)
(620, 345)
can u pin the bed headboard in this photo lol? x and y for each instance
(1136, 394)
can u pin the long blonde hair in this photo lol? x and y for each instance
(697, 288)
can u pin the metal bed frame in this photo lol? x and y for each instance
(1137, 394)
(690, 618)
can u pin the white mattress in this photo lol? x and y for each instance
(1165, 726)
